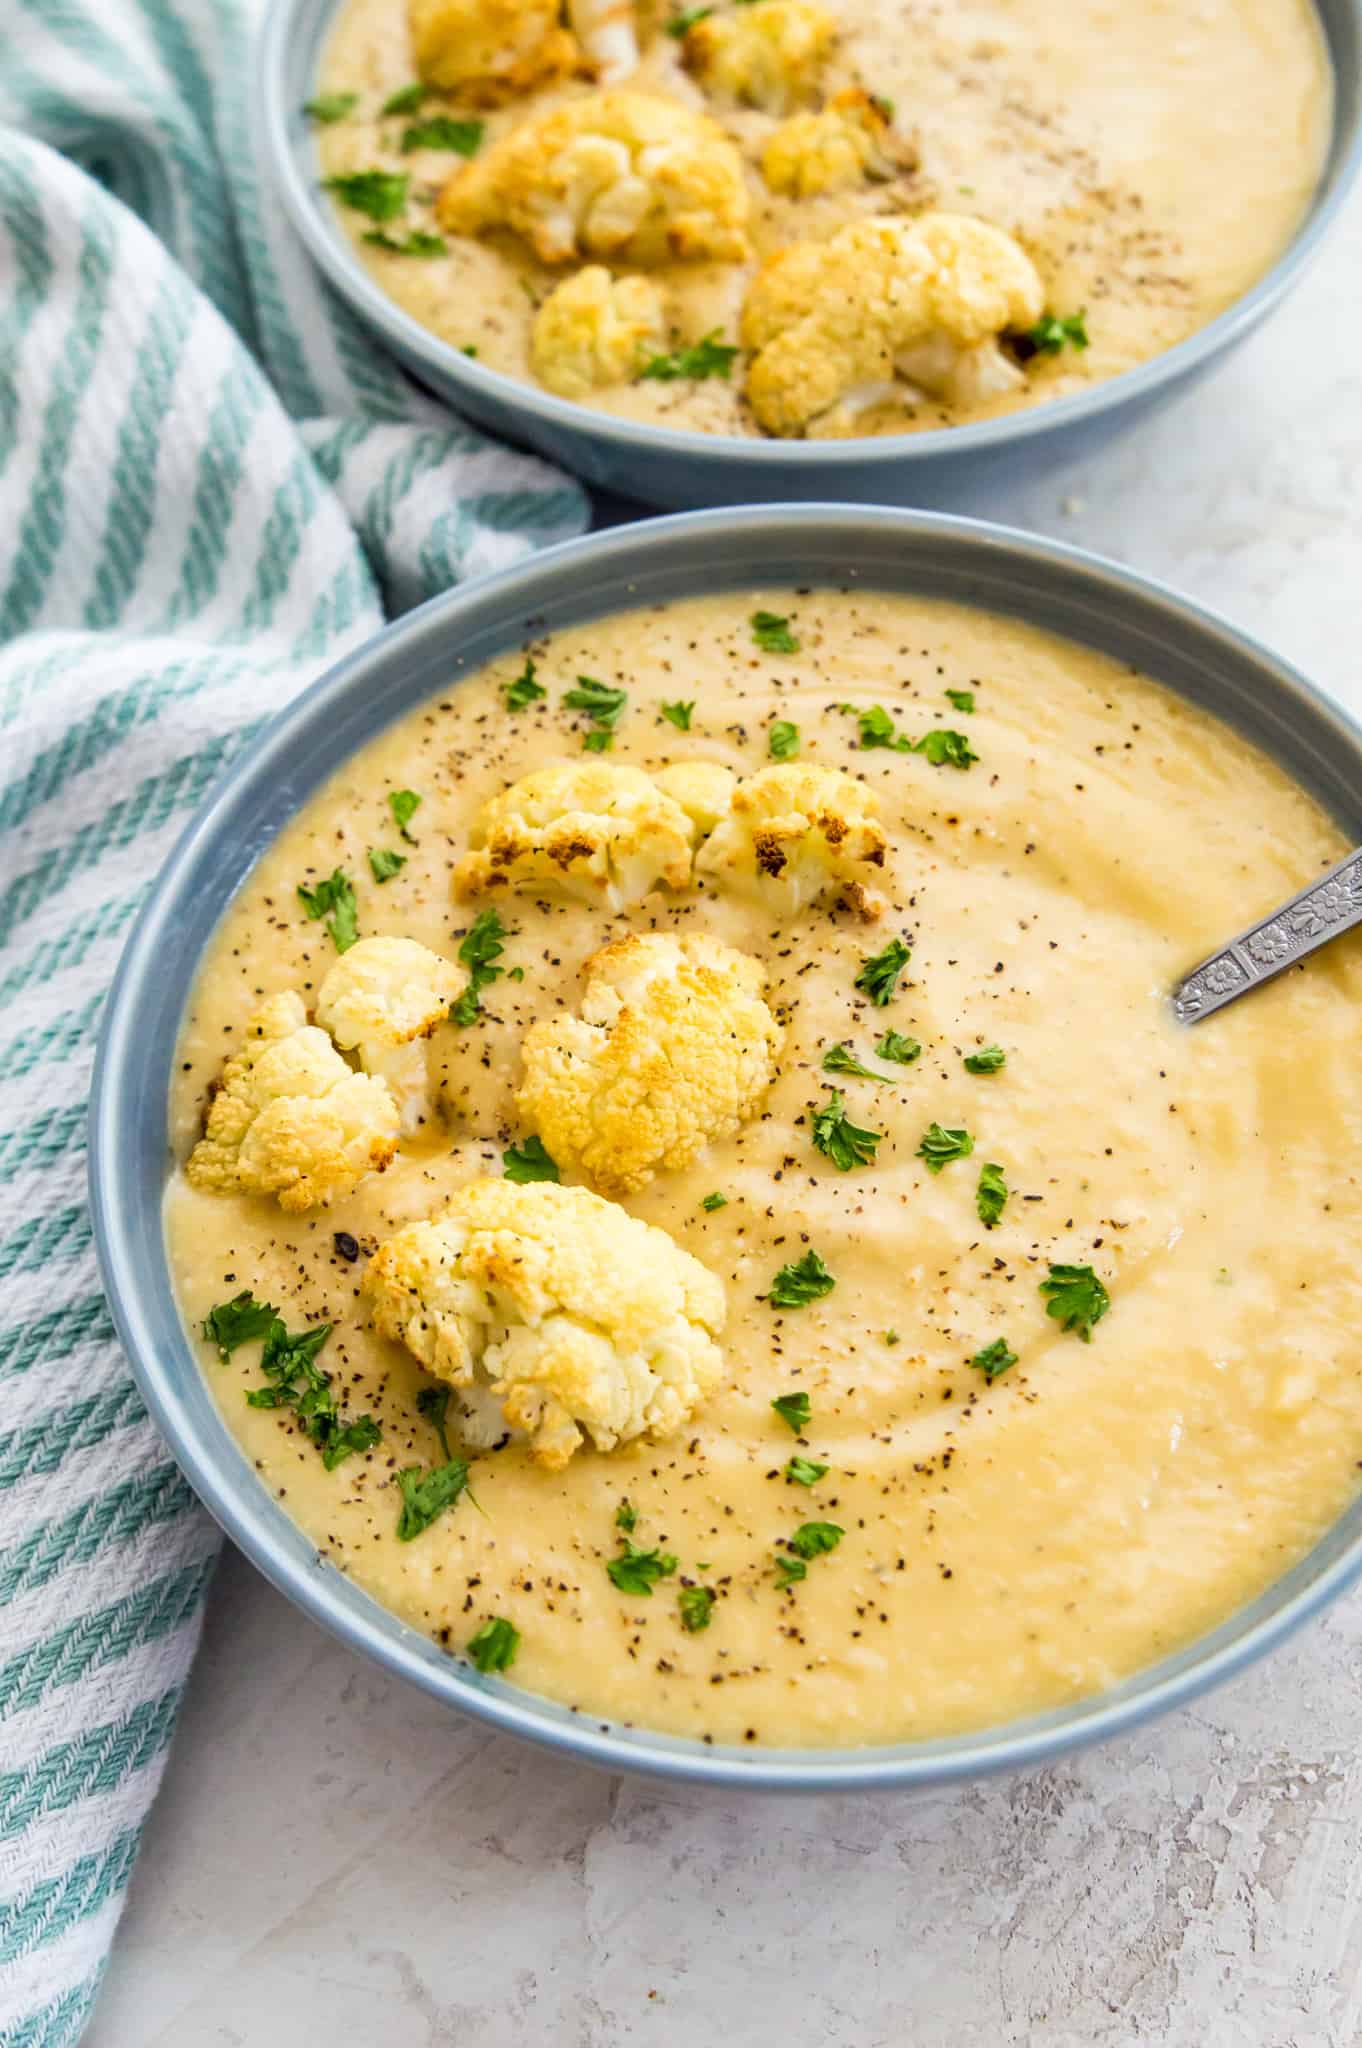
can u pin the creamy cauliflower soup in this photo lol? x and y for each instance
(698, 1201)
(793, 218)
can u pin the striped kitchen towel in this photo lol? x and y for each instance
(210, 484)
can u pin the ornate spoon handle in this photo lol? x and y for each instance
(1330, 905)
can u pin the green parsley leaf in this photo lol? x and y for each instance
(494, 1646)
(515, 974)
(334, 899)
(707, 358)
(795, 1286)
(714, 1201)
(238, 1321)
(846, 1144)
(879, 974)
(440, 132)
(599, 741)
(469, 349)
(420, 242)
(682, 24)
(380, 194)
(1076, 1298)
(293, 1379)
(945, 749)
(995, 1358)
(360, 1435)
(1050, 333)
(771, 632)
(697, 1607)
(426, 1495)
(782, 739)
(626, 1516)
(790, 1570)
(988, 1061)
(479, 951)
(896, 1045)
(526, 689)
(637, 1571)
(991, 1195)
(529, 1162)
(679, 714)
(384, 865)
(603, 705)
(961, 700)
(939, 1147)
(815, 1539)
(433, 1403)
(795, 1409)
(805, 1471)
(330, 106)
(878, 728)
(891, 1337)
(840, 1059)
(404, 804)
(406, 101)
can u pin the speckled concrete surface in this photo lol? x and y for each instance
(334, 1861)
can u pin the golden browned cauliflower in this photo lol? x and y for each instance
(767, 55)
(622, 175)
(608, 34)
(831, 324)
(594, 329)
(850, 143)
(291, 1118)
(595, 830)
(554, 1314)
(704, 790)
(673, 1049)
(796, 833)
(381, 1000)
(489, 50)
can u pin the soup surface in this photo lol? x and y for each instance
(1009, 1543)
(1152, 160)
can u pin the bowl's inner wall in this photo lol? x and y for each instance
(428, 652)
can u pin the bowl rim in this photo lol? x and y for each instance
(243, 1506)
(306, 210)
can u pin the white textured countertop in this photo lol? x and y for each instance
(335, 1860)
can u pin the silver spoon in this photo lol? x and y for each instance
(1329, 905)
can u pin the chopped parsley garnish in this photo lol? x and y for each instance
(406, 101)
(420, 242)
(440, 132)
(782, 739)
(840, 1059)
(879, 975)
(714, 1201)
(360, 1435)
(995, 1358)
(945, 749)
(791, 1570)
(380, 194)
(960, 700)
(383, 865)
(795, 1286)
(238, 1321)
(426, 1495)
(988, 1061)
(599, 741)
(330, 106)
(626, 1516)
(896, 1045)
(707, 358)
(334, 899)
(846, 1144)
(794, 1409)
(805, 1471)
(878, 728)
(526, 689)
(293, 1379)
(679, 714)
(939, 1147)
(697, 1607)
(991, 1195)
(771, 632)
(638, 1571)
(494, 1646)
(1050, 333)
(479, 951)
(404, 804)
(433, 1403)
(1076, 1298)
(603, 705)
(529, 1162)
(682, 24)
(815, 1539)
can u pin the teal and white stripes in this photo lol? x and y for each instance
(184, 542)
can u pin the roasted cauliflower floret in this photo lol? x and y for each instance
(291, 1118)
(797, 833)
(704, 790)
(830, 324)
(555, 1315)
(767, 55)
(621, 175)
(594, 329)
(381, 1000)
(850, 143)
(489, 50)
(608, 34)
(673, 1049)
(595, 830)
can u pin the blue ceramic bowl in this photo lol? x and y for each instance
(667, 466)
(878, 548)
